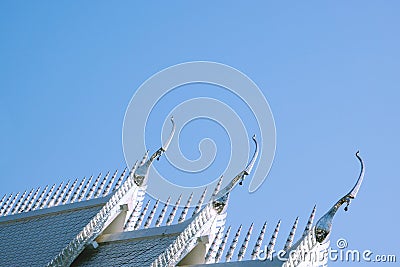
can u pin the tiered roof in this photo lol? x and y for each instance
(103, 222)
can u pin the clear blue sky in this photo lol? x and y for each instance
(330, 72)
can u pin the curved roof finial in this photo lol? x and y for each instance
(324, 225)
(140, 175)
(221, 197)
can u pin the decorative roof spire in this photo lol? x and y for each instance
(100, 188)
(55, 195)
(243, 248)
(129, 223)
(2, 200)
(290, 238)
(26, 200)
(141, 173)
(173, 211)
(222, 245)
(39, 200)
(201, 200)
(110, 183)
(257, 246)
(61, 195)
(5, 204)
(310, 221)
(78, 189)
(217, 187)
(210, 256)
(19, 202)
(32, 200)
(151, 215)
(185, 209)
(46, 198)
(69, 192)
(324, 225)
(93, 188)
(121, 178)
(222, 196)
(272, 242)
(11, 204)
(139, 221)
(162, 213)
(229, 254)
(85, 188)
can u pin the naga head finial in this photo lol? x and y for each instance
(324, 225)
(222, 196)
(141, 172)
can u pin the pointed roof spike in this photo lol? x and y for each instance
(310, 221)
(260, 238)
(324, 225)
(85, 188)
(2, 200)
(185, 209)
(141, 173)
(120, 179)
(245, 243)
(93, 187)
(210, 256)
(140, 220)
(100, 187)
(217, 187)
(272, 242)
(290, 238)
(229, 254)
(5, 204)
(32, 200)
(8, 209)
(173, 211)
(55, 195)
(69, 192)
(75, 195)
(25, 202)
(110, 183)
(162, 213)
(38, 202)
(200, 203)
(18, 204)
(222, 245)
(46, 198)
(61, 195)
(130, 222)
(151, 215)
(221, 197)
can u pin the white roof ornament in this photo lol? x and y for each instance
(310, 221)
(222, 245)
(200, 202)
(229, 254)
(272, 242)
(221, 198)
(141, 173)
(258, 244)
(243, 248)
(324, 225)
(162, 213)
(173, 211)
(151, 215)
(110, 183)
(290, 238)
(217, 187)
(185, 209)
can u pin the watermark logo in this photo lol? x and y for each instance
(321, 254)
(172, 91)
